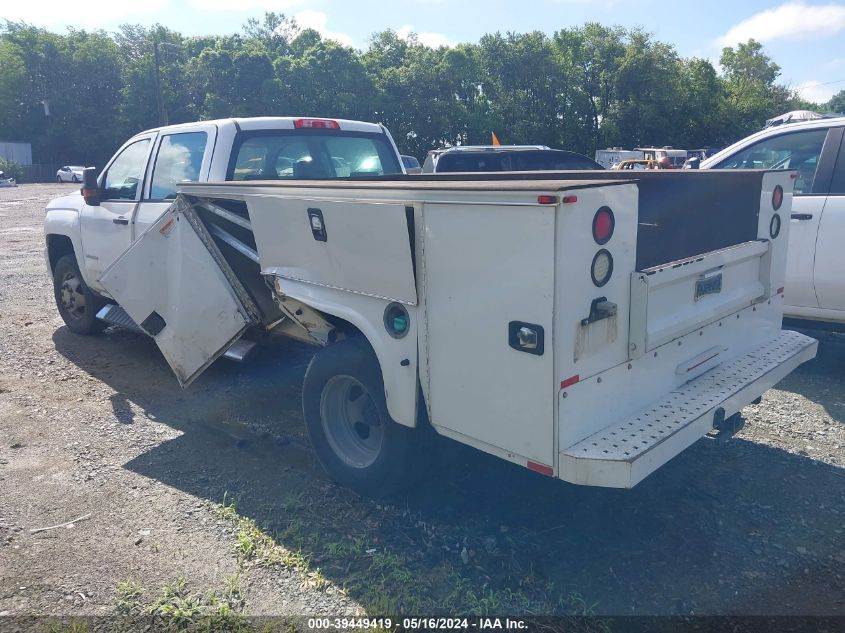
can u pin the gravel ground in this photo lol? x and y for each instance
(98, 427)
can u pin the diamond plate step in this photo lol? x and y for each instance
(621, 455)
(115, 315)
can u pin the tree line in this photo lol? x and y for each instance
(77, 96)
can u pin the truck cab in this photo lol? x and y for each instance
(140, 181)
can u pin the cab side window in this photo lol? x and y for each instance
(179, 159)
(126, 172)
(797, 150)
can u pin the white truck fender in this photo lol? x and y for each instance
(64, 222)
(397, 356)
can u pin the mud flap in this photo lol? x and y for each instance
(176, 284)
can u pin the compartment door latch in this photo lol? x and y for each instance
(600, 309)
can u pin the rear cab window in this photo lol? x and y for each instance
(309, 154)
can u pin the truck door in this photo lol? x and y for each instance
(105, 228)
(830, 254)
(175, 284)
(177, 157)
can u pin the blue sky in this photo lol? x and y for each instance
(806, 38)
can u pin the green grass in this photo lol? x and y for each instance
(377, 569)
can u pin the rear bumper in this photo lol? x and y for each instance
(623, 454)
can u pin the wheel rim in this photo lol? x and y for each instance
(72, 295)
(351, 421)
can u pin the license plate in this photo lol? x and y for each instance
(708, 286)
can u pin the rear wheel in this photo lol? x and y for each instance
(77, 305)
(75, 179)
(352, 433)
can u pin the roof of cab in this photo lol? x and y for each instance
(272, 123)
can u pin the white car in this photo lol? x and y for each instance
(69, 173)
(815, 286)
(7, 181)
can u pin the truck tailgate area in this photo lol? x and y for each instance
(623, 454)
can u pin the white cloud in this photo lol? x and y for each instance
(94, 13)
(318, 21)
(434, 40)
(244, 5)
(792, 21)
(816, 91)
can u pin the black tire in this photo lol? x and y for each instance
(77, 304)
(59, 179)
(398, 460)
(75, 179)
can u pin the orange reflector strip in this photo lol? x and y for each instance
(546, 199)
(541, 468)
(570, 199)
(569, 381)
(780, 290)
(166, 227)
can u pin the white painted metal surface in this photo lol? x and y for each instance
(588, 349)
(622, 455)
(485, 266)
(366, 251)
(170, 272)
(603, 399)
(664, 299)
(830, 256)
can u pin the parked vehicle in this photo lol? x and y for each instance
(494, 158)
(7, 182)
(815, 286)
(571, 322)
(640, 163)
(411, 164)
(70, 173)
(670, 157)
(612, 156)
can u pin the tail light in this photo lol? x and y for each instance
(314, 124)
(602, 267)
(603, 225)
(777, 197)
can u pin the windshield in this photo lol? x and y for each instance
(308, 154)
(521, 160)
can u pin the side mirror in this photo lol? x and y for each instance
(90, 188)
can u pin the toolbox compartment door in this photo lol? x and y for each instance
(176, 285)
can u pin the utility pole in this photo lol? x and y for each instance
(162, 113)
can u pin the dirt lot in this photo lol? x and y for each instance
(217, 486)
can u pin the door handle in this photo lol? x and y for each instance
(122, 221)
(801, 216)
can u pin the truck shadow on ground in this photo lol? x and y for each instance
(742, 528)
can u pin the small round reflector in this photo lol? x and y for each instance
(396, 320)
(602, 267)
(777, 197)
(603, 225)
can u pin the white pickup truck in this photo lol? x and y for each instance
(585, 326)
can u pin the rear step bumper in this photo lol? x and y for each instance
(622, 455)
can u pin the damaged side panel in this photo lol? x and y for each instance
(175, 283)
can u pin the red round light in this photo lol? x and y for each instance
(777, 197)
(603, 225)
